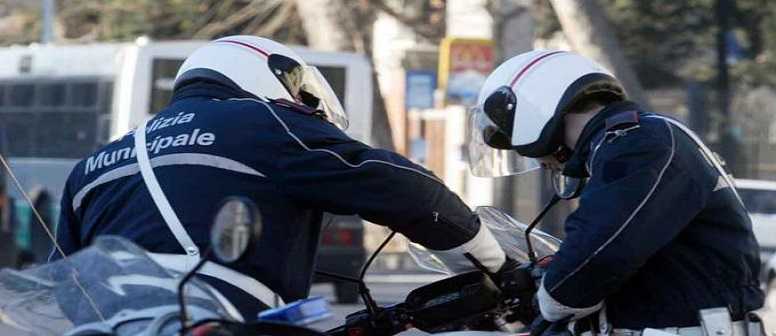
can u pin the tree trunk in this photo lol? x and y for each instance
(342, 25)
(589, 32)
(321, 24)
(513, 27)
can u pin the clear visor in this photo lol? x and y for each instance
(486, 161)
(314, 84)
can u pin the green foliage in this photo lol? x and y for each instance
(662, 39)
(669, 41)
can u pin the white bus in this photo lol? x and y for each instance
(64, 101)
(58, 103)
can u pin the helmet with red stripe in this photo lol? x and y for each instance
(265, 69)
(520, 108)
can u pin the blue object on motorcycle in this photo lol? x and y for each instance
(301, 312)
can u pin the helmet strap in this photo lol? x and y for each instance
(563, 153)
(300, 108)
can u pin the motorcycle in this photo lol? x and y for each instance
(114, 287)
(468, 301)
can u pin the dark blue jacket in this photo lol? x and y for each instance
(208, 145)
(658, 233)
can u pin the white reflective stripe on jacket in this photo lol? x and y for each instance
(185, 262)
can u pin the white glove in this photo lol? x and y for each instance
(482, 247)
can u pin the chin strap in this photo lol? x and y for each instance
(563, 154)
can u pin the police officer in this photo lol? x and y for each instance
(660, 232)
(249, 118)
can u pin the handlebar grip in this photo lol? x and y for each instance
(272, 328)
(540, 327)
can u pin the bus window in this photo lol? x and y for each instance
(103, 129)
(336, 77)
(105, 118)
(83, 94)
(51, 94)
(22, 94)
(2, 95)
(18, 130)
(106, 103)
(56, 117)
(69, 135)
(163, 73)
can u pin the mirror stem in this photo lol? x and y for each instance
(184, 318)
(363, 290)
(529, 245)
(369, 302)
(371, 306)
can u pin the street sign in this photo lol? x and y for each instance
(464, 64)
(419, 93)
(419, 150)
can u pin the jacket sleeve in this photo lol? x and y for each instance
(323, 168)
(638, 199)
(67, 229)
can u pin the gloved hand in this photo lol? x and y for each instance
(539, 268)
(542, 327)
(519, 288)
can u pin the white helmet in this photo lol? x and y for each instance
(265, 69)
(520, 108)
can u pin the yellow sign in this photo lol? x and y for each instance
(464, 63)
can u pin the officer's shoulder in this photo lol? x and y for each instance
(301, 118)
(627, 145)
(634, 131)
(247, 103)
(279, 107)
(76, 178)
(290, 106)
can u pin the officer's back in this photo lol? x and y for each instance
(200, 157)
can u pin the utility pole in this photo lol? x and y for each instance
(48, 8)
(728, 142)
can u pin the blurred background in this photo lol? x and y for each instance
(75, 74)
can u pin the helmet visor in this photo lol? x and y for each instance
(323, 97)
(487, 161)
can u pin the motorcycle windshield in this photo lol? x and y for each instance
(510, 234)
(92, 285)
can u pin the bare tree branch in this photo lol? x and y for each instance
(212, 13)
(247, 12)
(415, 23)
(278, 20)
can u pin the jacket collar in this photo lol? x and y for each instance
(575, 166)
(209, 89)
